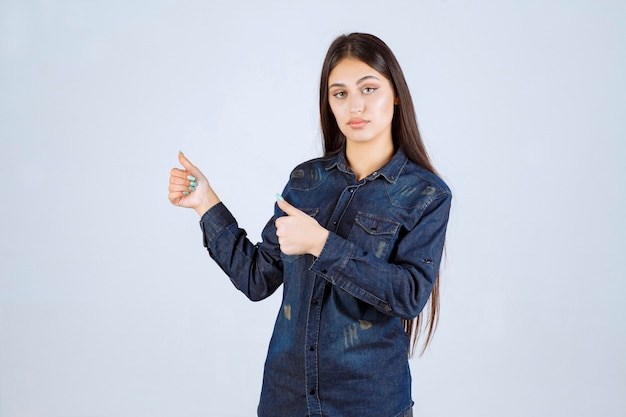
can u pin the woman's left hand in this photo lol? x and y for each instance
(298, 233)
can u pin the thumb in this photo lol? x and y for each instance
(191, 168)
(286, 207)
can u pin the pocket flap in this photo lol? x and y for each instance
(375, 225)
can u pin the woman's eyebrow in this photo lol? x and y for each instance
(367, 77)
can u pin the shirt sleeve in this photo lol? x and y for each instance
(402, 285)
(254, 269)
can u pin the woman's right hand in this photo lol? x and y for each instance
(201, 199)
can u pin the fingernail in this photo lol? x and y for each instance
(185, 192)
(193, 183)
(279, 197)
(191, 178)
(192, 188)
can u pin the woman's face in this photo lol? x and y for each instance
(362, 101)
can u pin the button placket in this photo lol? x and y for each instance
(312, 340)
(315, 308)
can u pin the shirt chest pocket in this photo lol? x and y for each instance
(374, 234)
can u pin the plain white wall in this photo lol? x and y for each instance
(109, 304)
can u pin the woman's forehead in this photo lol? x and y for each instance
(352, 70)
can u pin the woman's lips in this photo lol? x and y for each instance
(357, 123)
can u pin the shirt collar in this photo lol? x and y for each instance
(390, 171)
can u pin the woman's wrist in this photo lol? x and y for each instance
(211, 199)
(320, 242)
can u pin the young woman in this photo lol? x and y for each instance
(356, 239)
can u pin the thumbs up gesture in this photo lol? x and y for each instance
(189, 187)
(298, 233)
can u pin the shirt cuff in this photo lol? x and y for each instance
(333, 258)
(214, 222)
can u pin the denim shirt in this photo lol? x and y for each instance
(338, 348)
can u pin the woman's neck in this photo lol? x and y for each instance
(365, 158)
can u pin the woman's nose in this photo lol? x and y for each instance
(356, 104)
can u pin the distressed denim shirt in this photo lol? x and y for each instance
(338, 348)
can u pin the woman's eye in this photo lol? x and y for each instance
(368, 90)
(340, 94)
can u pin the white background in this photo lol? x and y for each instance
(109, 304)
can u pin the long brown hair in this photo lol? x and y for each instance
(404, 131)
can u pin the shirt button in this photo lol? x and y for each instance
(324, 270)
(312, 392)
(315, 303)
(311, 348)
